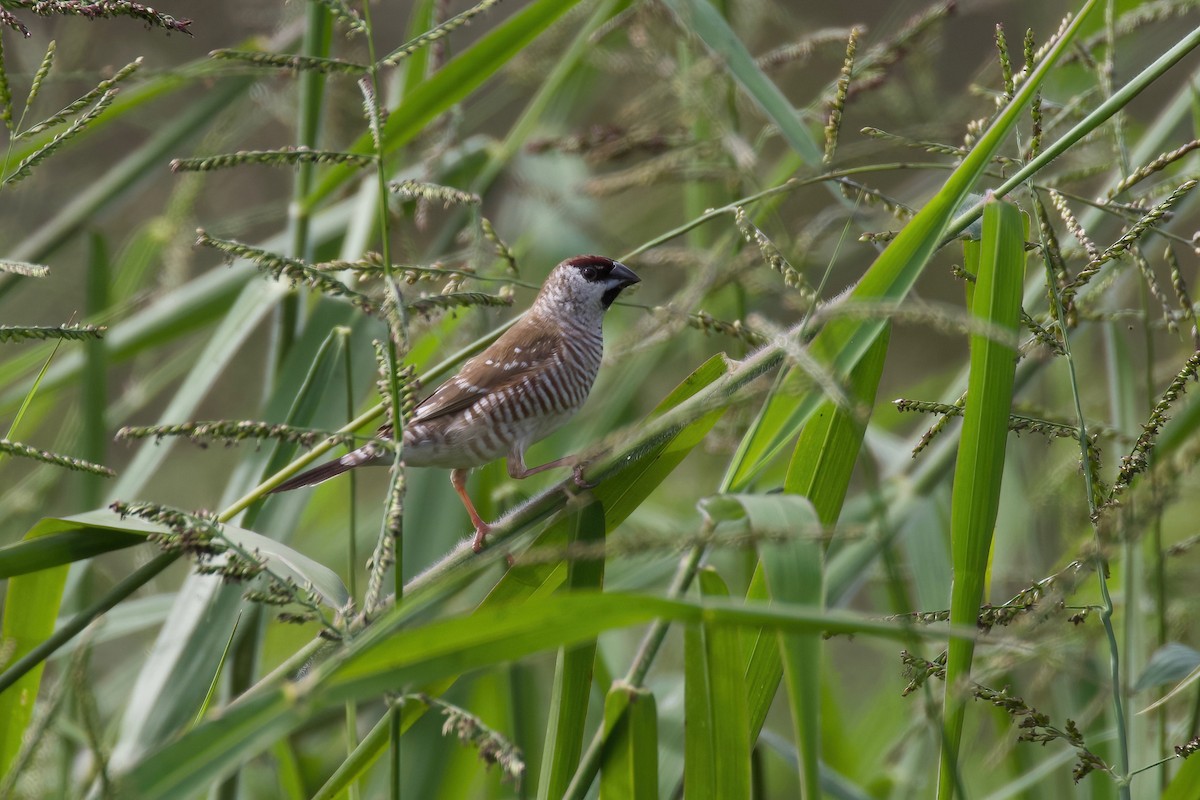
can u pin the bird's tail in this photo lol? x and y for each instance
(356, 458)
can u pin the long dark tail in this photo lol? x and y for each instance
(357, 458)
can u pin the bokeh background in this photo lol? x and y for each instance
(646, 131)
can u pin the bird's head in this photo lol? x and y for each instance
(585, 285)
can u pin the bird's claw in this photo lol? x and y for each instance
(577, 476)
(480, 540)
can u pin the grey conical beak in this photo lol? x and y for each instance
(622, 275)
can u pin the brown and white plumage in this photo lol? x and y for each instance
(519, 390)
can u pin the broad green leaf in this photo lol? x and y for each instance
(573, 673)
(1170, 663)
(979, 469)
(1186, 783)
(727, 699)
(630, 765)
(58, 541)
(700, 758)
(373, 664)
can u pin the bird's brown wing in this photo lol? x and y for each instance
(522, 349)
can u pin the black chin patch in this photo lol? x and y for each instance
(610, 295)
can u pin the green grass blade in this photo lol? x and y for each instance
(731, 724)
(700, 757)
(57, 541)
(843, 341)
(630, 766)
(979, 468)
(573, 673)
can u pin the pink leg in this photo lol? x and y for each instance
(517, 469)
(458, 479)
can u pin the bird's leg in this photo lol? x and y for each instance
(517, 469)
(458, 479)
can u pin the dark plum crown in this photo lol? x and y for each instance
(594, 268)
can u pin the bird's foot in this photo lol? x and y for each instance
(577, 476)
(482, 529)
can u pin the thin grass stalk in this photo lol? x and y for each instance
(95, 372)
(1106, 603)
(393, 520)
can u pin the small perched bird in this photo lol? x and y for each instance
(516, 392)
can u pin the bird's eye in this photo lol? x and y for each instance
(589, 273)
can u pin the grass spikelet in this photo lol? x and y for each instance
(8, 19)
(770, 253)
(936, 148)
(24, 268)
(1018, 423)
(1138, 460)
(1035, 107)
(45, 151)
(291, 61)
(1006, 71)
(491, 746)
(40, 76)
(448, 195)
(83, 102)
(281, 267)
(833, 122)
(1156, 290)
(77, 333)
(343, 13)
(436, 33)
(1141, 173)
(501, 247)
(427, 305)
(799, 51)
(106, 9)
(46, 457)
(230, 432)
(703, 321)
(1068, 218)
(1054, 257)
(373, 113)
(1041, 335)
(288, 156)
(1151, 219)
(1181, 294)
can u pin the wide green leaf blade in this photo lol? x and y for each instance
(979, 469)
(630, 765)
(727, 699)
(573, 673)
